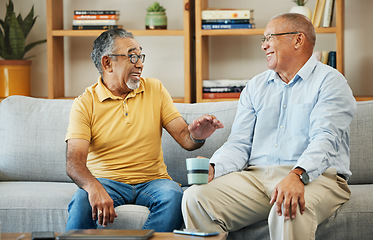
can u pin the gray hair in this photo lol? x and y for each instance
(105, 45)
(299, 23)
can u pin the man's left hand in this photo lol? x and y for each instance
(290, 193)
(204, 126)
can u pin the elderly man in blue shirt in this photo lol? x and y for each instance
(287, 157)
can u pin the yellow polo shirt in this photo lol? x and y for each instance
(124, 134)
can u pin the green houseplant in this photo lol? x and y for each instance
(301, 8)
(301, 2)
(14, 32)
(156, 7)
(156, 17)
(15, 69)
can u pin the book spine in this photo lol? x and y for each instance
(221, 95)
(332, 59)
(96, 12)
(226, 21)
(95, 27)
(96, 17)
(94, 22)
(228, 14)
(324, 57)
(317, 15)
(228, 26)
(222, 89)
(328, 13)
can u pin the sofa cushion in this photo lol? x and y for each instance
(175, 156)
(34, 206)
(42, 206)
(32, 139)
(130, 217)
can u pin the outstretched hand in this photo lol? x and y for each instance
(204, 126)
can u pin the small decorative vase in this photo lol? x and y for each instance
(15, 77)
(156, 20)
(302, 10)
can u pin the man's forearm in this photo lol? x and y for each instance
(76, 167)
(80, 174)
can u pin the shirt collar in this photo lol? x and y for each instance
(308, 68)
(303, 73)
(103, 93)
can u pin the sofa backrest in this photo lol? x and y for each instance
(32, 139)
(32, 134)
(361, 139)
(361, 144)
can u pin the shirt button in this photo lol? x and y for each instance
(276, 145)
(282, 126)
(284, 106)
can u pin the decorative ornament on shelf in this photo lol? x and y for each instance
(156, 17)
(15, 68)
(301, 8)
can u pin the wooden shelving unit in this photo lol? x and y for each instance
(55, 46)
(202, 43)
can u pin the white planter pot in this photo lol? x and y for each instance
(302, 10)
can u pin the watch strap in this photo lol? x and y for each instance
(197, 140)
(304, 181)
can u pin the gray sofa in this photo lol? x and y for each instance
(35, 190)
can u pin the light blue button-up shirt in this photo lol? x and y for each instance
(304, 123)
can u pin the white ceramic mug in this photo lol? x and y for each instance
(198, 170)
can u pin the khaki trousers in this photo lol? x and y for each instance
(239, 199)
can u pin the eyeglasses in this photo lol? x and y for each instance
(269, 36)
(134, 58)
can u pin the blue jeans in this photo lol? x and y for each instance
(162, 197)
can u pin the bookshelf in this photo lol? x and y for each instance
(55, 47)
(202, 43)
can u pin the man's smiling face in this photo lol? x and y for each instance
(278, 49)
(128, 74)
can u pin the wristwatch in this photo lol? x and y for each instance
(197, 140)
(304, 178)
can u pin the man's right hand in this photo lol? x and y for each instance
(102, 206)
(211, 170)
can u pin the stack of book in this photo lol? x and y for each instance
(95, 19)
(327, 57)
(223, 88)
(228, 19)
(323, 13)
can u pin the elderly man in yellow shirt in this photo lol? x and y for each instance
(114, 151)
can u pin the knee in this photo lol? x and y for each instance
(80, 212)
(80, 195)
(192, 196)
(80, 201)
(171, 194)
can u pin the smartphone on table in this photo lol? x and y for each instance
(196, 232)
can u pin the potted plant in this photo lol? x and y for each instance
(301, 8)
(156, 17)
(15, 68)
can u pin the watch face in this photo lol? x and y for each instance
(304, 177)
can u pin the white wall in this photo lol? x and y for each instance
(231, 57)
